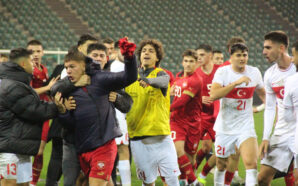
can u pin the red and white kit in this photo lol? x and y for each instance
(235, 123)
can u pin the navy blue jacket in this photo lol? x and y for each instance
(94, 117)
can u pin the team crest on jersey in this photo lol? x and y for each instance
(100, 165)
(184, 84)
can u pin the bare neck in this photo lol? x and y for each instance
(284, 61)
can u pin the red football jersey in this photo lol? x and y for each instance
(191, 112)
(207, 110)
(38, 80)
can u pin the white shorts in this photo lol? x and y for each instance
(279, 154)
(153, 156)
(123, 140)
(14, 166)
(225, 144)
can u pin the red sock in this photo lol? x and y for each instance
(289, 178)
(228, 177)
(186, 168)
(200, 156)
(36, 168)
(206, 169)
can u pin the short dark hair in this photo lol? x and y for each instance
(278, 36)
(34, 42)
(217, 52)
(74, 55)
(238, 46)
(234, 40)
(16, 54)
(190, 52)
(157, 45)
(108, 40)
(295, 45)
(116, 45)
(207, 48)
(96, 46)
(86, 37)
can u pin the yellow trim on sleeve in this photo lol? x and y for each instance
(187, 92)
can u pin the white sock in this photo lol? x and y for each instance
(124, 170)
(219, 177)
(236, 173)
(251, 177)
(202, 176)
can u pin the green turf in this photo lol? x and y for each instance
(135, 182)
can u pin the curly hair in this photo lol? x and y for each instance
(157, 45)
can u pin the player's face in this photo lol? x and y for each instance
(203, 57)
(99, 56)
(271, 51)
(27, 65)
(74, 70)
(83, 48)
(239, 60)
(37, 53)
(295, 56)
(218, 58)
(148, 56)
(110, 48)
(189, 64)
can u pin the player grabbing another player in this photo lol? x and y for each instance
(234, 125)
(148, 126)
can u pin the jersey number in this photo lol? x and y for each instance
(178, 91)
(241, 105)
(11, 169)
(220, 150)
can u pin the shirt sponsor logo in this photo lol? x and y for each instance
(100, 165)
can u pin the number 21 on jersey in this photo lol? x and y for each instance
(241, 104)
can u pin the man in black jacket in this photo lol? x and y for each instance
(94, 117)
(21, 117)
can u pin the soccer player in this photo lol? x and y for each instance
(206, 71)
(94, 117)
(148, 125)
(40, 77)
(291, 104)
(231, 175)
(234, 85)
(21, 117)
(98, 52)
(275, 151)
(217, 57)
(109, 43)
(185, 115)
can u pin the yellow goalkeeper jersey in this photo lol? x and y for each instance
(150, 112)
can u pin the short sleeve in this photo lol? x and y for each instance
(219, 76)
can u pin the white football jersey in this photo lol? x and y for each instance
(291, 102)
(274, 81)
(236, 113)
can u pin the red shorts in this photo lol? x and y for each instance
(188, 133)
(99, 163)
(206, 129)
(45, 130)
